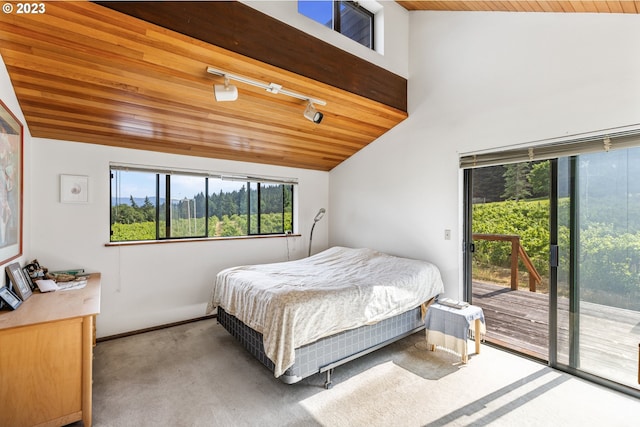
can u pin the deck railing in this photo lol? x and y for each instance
(517, 251)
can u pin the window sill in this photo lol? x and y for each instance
(199, 239)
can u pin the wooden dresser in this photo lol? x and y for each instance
(46, 358)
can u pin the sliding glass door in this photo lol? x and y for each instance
(590, 280)
(598, 275)
(510, 232)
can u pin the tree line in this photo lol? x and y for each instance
(518, 181)
(273, 199)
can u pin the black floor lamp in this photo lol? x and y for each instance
(318, 217)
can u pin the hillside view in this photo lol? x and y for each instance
(514, 200)
(225, 213)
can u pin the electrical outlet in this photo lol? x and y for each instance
(447, 234)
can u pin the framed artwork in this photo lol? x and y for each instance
(74, 189)
(11, 140)
(8, 298)
(20, 284)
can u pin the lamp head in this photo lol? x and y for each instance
(310, 113)
(319, 215)
(225, 92)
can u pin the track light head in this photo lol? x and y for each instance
(312, 114)
(225, 92)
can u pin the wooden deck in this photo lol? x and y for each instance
(519, 320)
(515, 319)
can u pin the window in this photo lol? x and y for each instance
(158, 205)
(346, 17)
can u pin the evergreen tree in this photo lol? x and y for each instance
(200, 205)
(516, 184)
(242, 201)
(126, 214)
(488, 184)
(540, 179)
(148, 210)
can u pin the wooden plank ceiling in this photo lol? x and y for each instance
(84, 72)
(622, 6)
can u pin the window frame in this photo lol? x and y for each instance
(163, 175)
(336, 19)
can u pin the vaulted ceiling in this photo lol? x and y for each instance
(133, 74)
(86, 72)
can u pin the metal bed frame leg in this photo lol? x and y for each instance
(329, 368)
(327, 382)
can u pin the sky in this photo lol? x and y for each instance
(319, 11)
(143, 184)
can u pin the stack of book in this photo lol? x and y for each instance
(448, 302)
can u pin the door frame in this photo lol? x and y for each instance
(467, 236)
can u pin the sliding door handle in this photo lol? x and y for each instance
(553, 256)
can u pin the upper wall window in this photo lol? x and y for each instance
(346, 17)
(159, 205)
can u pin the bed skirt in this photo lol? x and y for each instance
(329, 352)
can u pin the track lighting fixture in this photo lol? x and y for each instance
(312, 114)
(228, 92)
(225, 92)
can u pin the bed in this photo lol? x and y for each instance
(310, 315)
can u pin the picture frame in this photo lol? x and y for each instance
(74, 189)
(11, 184)
(20, 284)
(8, 298)
(28, 279)
(32, 272)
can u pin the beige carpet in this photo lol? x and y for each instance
(198, 375)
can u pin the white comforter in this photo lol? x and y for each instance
(298, 302)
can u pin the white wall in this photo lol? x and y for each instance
(477, 81)
(149, 285)
(8, 97)
(395, 32)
